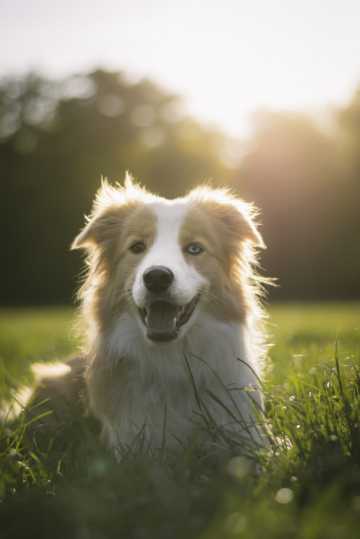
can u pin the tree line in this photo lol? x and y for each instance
(57, 138)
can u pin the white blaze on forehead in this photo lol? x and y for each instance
(170, 218)
(166, 251)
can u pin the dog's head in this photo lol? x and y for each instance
(165, 261)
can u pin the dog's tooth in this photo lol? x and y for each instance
(146, 321)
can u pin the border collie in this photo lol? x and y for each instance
(172, 317)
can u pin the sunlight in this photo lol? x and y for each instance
(225, 60)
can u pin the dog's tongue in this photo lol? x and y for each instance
(161, 317)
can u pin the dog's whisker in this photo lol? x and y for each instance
(205, 298)
(213, 296)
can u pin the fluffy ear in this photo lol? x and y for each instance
(236, 215)
(100, 229)
(104, 220)
(239, 219)
(110, 207)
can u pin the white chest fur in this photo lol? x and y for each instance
(160, 387)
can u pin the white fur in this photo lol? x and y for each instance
(159, 374)
(157, 379)
(166, 251)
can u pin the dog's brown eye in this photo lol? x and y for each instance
(137, 247)
(194, 249)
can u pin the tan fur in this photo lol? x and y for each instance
(217, 221)
(61, 385)
(226, 297)
(57, 388)
(220, 223)
(226, 227)
(116, 222)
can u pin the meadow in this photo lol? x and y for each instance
(57, 481)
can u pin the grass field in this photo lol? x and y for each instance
(58, 483)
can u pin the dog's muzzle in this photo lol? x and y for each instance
(164, 319)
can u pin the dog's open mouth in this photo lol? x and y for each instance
(163, 319)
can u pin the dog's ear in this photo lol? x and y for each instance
(238, 218)
(108, 213)
(101, 228)
(234, 214)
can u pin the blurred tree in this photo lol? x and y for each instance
(56, 140)
(296, 175)
(58, 137)
(349, 143)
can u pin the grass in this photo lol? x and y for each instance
(58, 483)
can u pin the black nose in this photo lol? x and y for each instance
(158, 278)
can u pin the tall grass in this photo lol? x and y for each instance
(58, 482)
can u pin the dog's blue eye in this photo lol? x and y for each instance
(137, 247)
(194, 249)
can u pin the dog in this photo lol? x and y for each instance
(172, 318)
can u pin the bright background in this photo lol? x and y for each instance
(261, 96)
(226, 58)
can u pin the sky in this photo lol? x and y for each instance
(227, 58)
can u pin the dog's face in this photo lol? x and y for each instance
(166, 284)
(164, 261)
